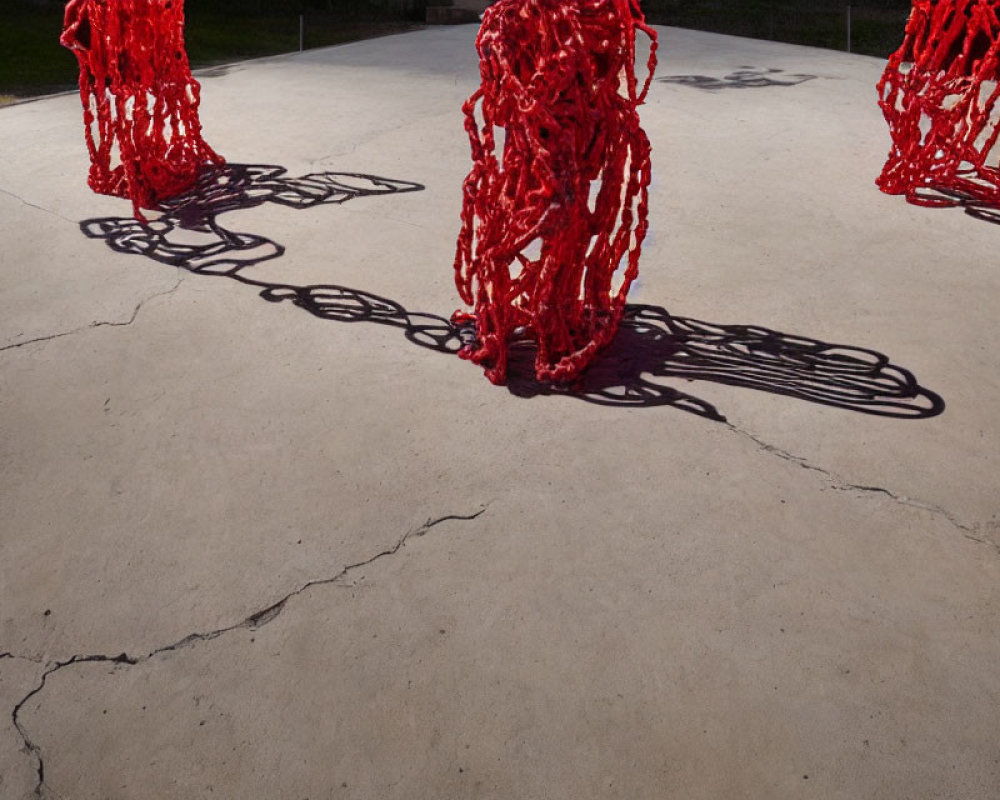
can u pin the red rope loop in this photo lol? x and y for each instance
(938, 94)
(552, 212)
(140, 101)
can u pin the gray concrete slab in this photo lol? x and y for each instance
(18, 774)
(252, 551)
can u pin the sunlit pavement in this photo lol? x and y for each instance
(265, 536)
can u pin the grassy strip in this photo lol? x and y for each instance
(876, 28)
(32, 62)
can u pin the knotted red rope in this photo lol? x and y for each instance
(548, 222)
(139, 99)
(938, 94)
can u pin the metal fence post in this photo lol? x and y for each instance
(848, 27)
(302, 32)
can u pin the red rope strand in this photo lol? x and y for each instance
(140, 101)
(938, 94)
(549, 219)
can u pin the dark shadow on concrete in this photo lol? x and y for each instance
(653, 346)
(651, 349)
(216, 72)
(980, 201)
(188, 234)
(743, 78)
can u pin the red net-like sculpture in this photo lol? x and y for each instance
(549, 220)
(938, 94)
(140, 101)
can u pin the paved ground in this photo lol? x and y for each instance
(275, 548)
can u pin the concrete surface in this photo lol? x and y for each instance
(248, 551)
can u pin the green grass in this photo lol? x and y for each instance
(32, 61)
(876, 27)
(212, 39)
(216, 38)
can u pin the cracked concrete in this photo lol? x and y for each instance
(110, 324)
(254, 622)
(841, 485)
(48, 282)
(32, 205)
(17, 775)
(468, 669)
(208, 489)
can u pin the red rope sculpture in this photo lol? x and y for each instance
(940, 108)
(548, 223)
(139, 99)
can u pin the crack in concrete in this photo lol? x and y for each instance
(253, 622)
(102, 324)
(841, 485)
(40, 208)
(15, 657)
(969, 532)
(30, 747)
(261, 618)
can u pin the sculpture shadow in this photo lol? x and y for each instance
(743, 78)
(187, 233)
(984, 206)
(652, 347)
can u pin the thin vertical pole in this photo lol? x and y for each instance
(302, 32)
(848, 27)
